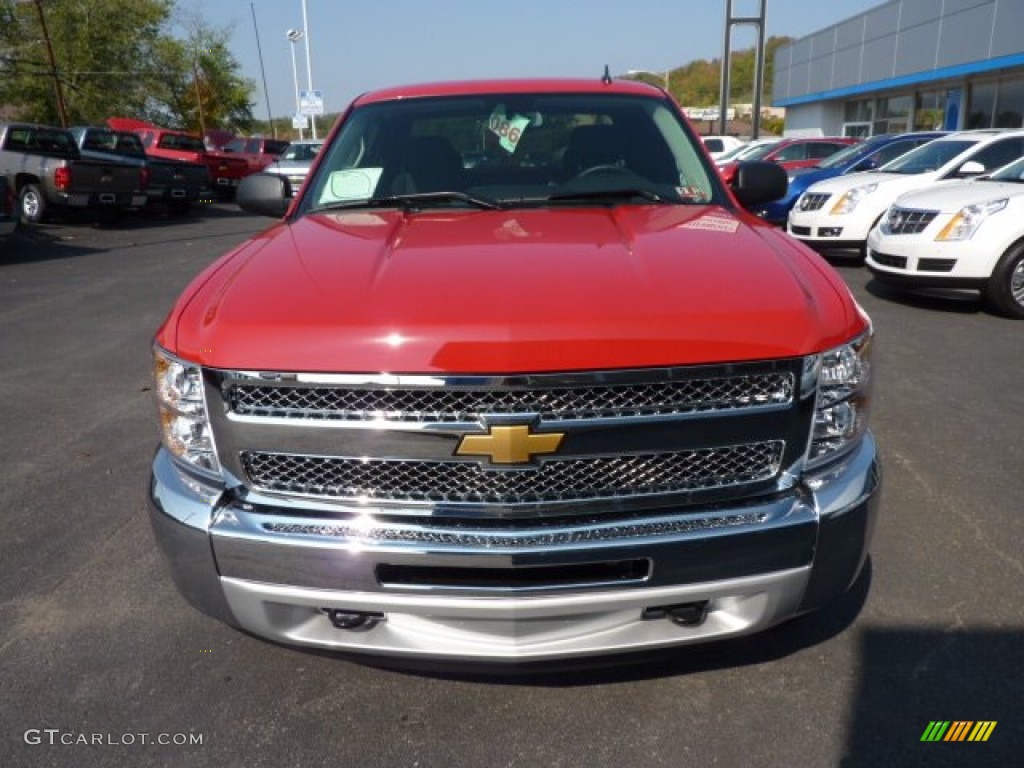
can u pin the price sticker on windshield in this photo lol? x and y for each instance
(509, 130)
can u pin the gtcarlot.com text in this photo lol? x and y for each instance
(57, 737)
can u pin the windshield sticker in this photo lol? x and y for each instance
(713, 223)
(692, 194)
(350, 184)
(509, 130)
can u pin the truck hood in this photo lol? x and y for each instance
(951, 196)
(892, 183)
(511, 291)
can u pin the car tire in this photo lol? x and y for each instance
(32, 208)
(1005, 290)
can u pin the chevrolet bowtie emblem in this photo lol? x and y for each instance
(509, 445)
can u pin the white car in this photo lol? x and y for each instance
(957, 234)
(840, 212)
(719, 145)
(743, 150)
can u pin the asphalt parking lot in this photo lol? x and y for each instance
(95, 642)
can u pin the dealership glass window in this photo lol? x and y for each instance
(893, 115)
(981, 105)
(1009, 111)
(860, 111)
(929, 110)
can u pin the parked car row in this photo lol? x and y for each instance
(106, 170)
(48, 171)
(945, 214)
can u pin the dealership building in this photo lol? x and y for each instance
(907, 65)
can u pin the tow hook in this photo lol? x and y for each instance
(353, 620)
(683, 614)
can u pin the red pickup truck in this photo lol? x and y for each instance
(225, 170)
(514, 376)
(257, 151)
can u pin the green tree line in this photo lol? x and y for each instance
(127, 58)
(698, 83)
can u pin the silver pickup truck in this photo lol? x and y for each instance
(49, 172)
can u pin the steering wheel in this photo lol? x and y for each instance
(595, 169)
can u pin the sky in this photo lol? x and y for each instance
(360, 46)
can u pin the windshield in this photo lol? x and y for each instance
(847, 155)
(732, 154)
(758, 152)
(181, 142)
(928, 157)
(300, 152)
(1012, 172)
(512, 150)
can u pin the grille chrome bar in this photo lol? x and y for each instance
(580, 532)
(467, 482)
(551, 398)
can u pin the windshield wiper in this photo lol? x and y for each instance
(624, 193)
(414, 200)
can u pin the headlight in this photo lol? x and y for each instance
(184, 427)
(843, 377)
(968, 219)
(849, 200)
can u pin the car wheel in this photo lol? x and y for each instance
(31, 204)
(1005, 289)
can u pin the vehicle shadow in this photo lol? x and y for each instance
(933, 299)
(911, 677)
(40, 243)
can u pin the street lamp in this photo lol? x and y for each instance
(663, 76)
(309, 67)
(294, 35)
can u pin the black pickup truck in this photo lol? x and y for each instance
(177, 184)
(49, 172)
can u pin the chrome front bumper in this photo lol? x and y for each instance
(755, 563)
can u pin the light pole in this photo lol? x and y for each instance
(294, 35)
(309, 67)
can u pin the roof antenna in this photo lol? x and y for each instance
(607, 77)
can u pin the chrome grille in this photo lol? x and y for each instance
(903, 221)
(453, 404)
(813, 202)
(467, 482)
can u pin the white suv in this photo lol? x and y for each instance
(839, 212)
(957, 234)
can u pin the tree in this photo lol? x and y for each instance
(119, 57)
(201, 88)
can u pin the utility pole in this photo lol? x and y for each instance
(259, 50)
(199, 96)
(62, 110)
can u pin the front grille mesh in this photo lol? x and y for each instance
(454, 482)
(813, 202)
(904, 221)
(451, 405)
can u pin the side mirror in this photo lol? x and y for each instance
(759, 182)
(266, 194)
(971, 168)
